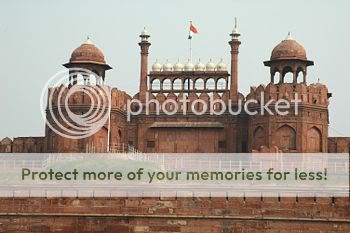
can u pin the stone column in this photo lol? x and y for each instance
(144, 45)
(234, 43)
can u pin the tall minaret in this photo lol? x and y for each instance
(144, 45)
(234, 43)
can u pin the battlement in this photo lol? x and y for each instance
(85, 96)
(316, 94)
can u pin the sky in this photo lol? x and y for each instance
(37, 37)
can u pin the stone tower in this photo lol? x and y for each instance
(234, 43)
(303, 129)
(85, 94)
(144, 46)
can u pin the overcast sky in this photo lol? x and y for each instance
(36, 37)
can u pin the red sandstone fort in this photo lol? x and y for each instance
(306, 131)
(153, 133)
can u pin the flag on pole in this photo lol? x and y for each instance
(193, 30)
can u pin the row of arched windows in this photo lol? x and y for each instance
(80, 79)
(285, 138)
(288, 75)
(189, 84)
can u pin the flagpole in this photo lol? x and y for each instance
(191, 50)
(190, 37)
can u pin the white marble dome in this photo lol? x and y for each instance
(210, 66)
(167, 66)
(156, 66)
(199, 66)
(221, 66)
(189, 66)
(178, 66)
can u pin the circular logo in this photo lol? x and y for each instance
(75, 106)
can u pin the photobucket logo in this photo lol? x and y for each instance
(75, 108)
(214, 106)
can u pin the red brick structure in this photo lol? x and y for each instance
(205, 215)
(339, 144)
(305, 132)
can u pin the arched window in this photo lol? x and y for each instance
(275, 76)
(80, 79)
(156, 85)
(286, 138)
(199, 84)
(287, 75)
(167, 84)
(96, 79)
(92, 80)
(177, 84)
(210, 84)
(259, 138)
(221, 84)
(300, 75)
(188, 84)
(314, 140)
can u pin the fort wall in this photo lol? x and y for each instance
(161, 214)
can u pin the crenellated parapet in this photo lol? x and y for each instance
(313, 94)
(303, 128)
(87, 96)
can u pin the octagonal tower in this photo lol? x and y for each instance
(305, 127)
(84, 102)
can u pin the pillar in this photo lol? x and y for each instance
(144, 46)
(234, 43)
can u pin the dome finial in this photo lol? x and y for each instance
(88, 41)
(235, 34)
(289, 36)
